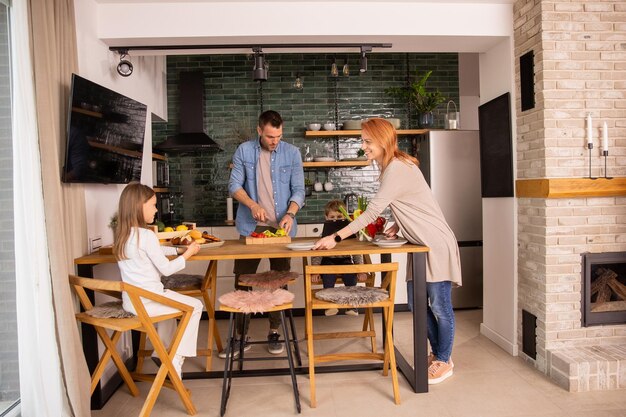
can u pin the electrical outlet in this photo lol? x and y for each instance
(95, 243)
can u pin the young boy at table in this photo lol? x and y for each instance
(332, 213)
(142, 261)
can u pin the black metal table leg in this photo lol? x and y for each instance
(417, 375)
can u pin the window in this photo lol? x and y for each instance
(9, 370)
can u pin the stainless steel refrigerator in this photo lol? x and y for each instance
(450, 161)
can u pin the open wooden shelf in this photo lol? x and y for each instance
(335, 164)
(570, 187)
(332, 133)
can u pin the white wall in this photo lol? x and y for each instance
(443, 25)
(499, 218)
(147, 85)
(469, 90)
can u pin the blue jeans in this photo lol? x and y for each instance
(349, 280)
(440, 317)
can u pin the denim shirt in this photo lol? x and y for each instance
(287, 181)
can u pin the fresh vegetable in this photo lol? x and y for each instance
(344, 213)
(279, 233)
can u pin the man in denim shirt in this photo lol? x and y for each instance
(268, 182)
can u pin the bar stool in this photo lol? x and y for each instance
(272, 280)
(250, 302)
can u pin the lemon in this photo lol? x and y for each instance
(181, 227)
(168, 229)
(195, 233)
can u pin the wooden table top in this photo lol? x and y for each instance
(237, 249)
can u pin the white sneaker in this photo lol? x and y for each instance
(331, 311)
(352, 312)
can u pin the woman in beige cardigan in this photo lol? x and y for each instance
(418, 216)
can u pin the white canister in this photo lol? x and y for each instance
(229, 209)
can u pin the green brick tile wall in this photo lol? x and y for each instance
(233, 102)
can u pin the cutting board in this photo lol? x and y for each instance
(267, 240)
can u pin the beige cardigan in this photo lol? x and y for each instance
(404, 189)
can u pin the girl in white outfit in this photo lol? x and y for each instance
(142, 261)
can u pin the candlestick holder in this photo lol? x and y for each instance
(605, 154)
(590, 147)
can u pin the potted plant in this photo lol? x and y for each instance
(424, 101)
(308, 187)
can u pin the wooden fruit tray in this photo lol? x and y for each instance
(170, 235)
(267, 240)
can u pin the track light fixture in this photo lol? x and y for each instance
(363, 58)
(125, 67)
(260, 69)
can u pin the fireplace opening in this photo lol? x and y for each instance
(604, 288)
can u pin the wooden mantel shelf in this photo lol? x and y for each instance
(570, 187)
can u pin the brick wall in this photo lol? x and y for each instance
(9, 377)
(580, 63)
(232, 100)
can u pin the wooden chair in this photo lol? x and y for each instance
(142, 322)
(368, 319)
(205, 289)
(388, 283)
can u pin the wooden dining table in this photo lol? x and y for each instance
(416, 375)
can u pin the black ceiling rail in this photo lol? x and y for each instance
(128, 48)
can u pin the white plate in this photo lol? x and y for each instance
(392, 243)
(301, 245)
(324, 159)
(204, 245)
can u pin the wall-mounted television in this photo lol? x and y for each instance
(105, 134)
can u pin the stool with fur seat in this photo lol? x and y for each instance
(250, 302)
(271, 280)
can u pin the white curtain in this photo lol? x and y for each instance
(41, 386)
(53, 376)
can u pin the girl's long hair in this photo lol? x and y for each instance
(129, 215)
(382, 133)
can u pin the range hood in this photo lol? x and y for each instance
(191, 137)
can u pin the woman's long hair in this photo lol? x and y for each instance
(384, 135)
(130, 214)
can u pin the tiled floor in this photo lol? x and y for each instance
(487, 382)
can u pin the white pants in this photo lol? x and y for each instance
(189, 343)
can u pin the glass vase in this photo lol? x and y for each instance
(426, 120)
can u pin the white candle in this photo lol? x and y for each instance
(605, 137)
(229, 208)
(589, 132)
